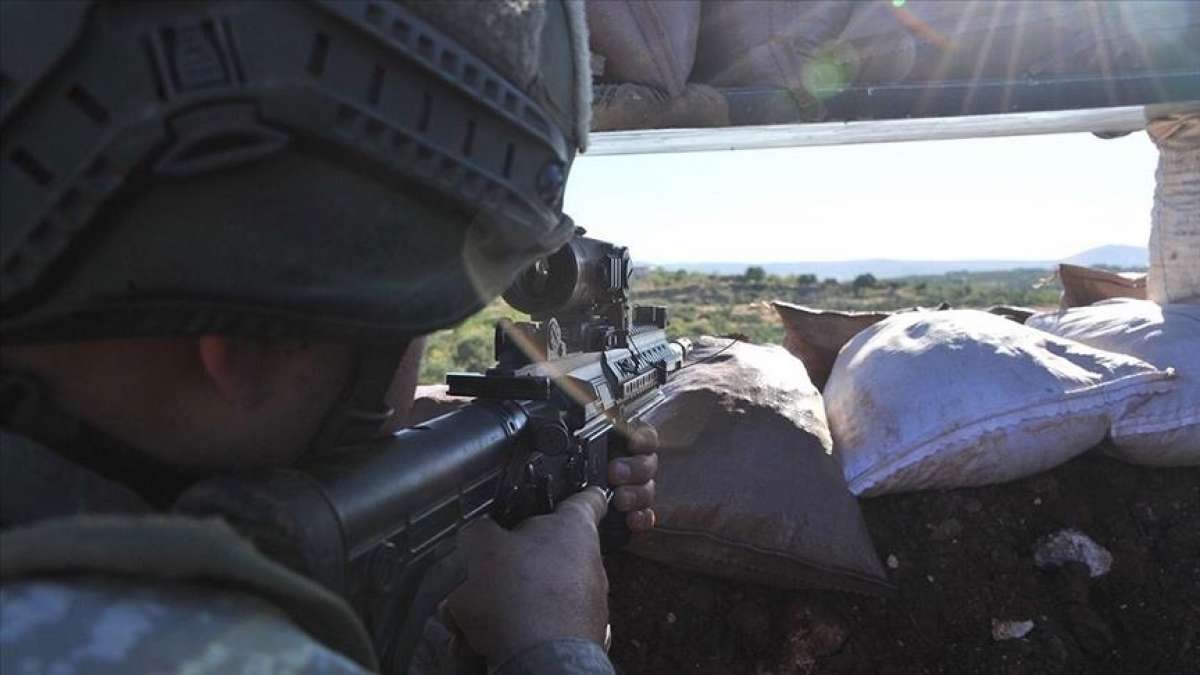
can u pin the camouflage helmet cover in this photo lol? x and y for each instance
(347, 169)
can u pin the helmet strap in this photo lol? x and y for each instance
(362, 409)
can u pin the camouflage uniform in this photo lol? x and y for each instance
(116, 626)
(106, 626)
(104, 623)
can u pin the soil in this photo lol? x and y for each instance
(960, 560)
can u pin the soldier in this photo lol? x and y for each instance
(225, 227)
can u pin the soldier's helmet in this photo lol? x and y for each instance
(360, 170)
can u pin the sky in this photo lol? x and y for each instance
(1020, 198)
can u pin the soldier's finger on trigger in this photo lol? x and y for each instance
(634, 497)
(633, 470)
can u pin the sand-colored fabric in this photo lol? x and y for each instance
(1175, 220)
(931, 40)
(650, 43)
(1083, 286)
(1165, 430)
(815, 335)
(747, 489)
(769, 43)
(635, 106)
(934, 400)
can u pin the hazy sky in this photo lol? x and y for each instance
(1032, 197)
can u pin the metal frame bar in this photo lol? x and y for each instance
(1107, 120)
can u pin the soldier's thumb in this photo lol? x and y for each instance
(589, 504)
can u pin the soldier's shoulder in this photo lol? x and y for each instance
(109, 625)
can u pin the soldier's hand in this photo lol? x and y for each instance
(633, 478)
(542, 580)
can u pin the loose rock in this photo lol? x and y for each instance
(1072, 546)
(1010, 630)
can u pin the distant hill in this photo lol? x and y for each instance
(1113, 255)
(1117, 256)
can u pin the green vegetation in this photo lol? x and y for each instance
(723, 305)
(467, 347)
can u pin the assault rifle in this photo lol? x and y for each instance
(377, 523)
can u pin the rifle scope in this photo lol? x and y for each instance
(582, 276)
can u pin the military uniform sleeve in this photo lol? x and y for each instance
(568, 657)
(106, 626)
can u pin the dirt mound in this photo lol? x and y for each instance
(963, 565)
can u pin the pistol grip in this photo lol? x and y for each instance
(614, 531)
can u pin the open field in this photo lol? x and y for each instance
(727, 304)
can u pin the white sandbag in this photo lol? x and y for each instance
(962, 397)
(1165, 430)
(1175, 221)
(815, 336)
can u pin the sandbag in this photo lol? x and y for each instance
(931, 40)
(617, 107)
(1083, 286)
(962, 398)
(815, 335)
(1175, 221)
(768, 43)
(747, 489)
(651, 43)
(1165, 430)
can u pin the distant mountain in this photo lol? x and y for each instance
(1114, 255)
(1117, 256)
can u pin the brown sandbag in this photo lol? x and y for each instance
(616, 107)
(1083, 286)
(766, 42)
(930, 40)
(747, 487)
(815, 335)
(652, 43)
